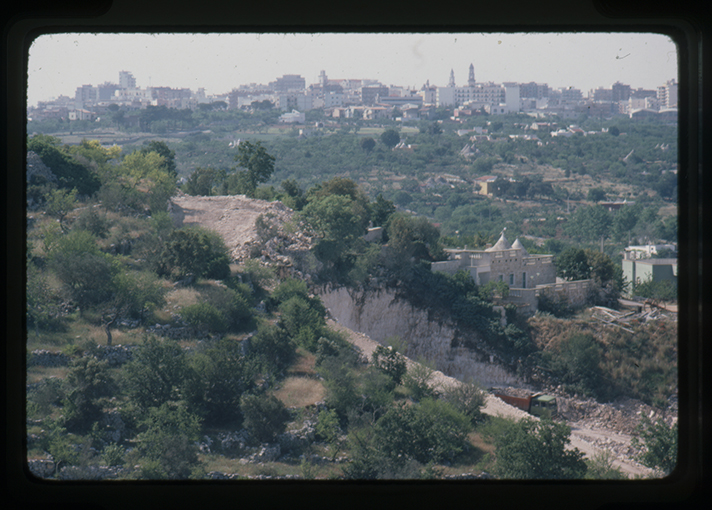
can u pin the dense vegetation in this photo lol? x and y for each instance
(105, 265)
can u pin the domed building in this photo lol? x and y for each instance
(526, 275)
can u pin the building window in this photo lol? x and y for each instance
(511, 280)
(501, 278)
(524, 280)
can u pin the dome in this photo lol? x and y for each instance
(517, 245)
(502, 244)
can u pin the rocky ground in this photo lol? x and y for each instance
(235, 218)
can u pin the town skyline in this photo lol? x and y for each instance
(59, 63)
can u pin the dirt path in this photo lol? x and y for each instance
(590, 441)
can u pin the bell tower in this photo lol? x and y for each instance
(471, 76)
(451, 83)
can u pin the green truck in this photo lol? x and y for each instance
(537, 404)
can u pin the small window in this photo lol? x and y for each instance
(511, 280)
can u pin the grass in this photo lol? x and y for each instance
(300, 391)
(36, 374)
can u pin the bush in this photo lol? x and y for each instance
(220, 376)
(272, 345)
(303, 319)
(467, 398)
(658, 442)
(531, 449)
(265, 417)
(157, 373)
(431, 431)
(89, 381)
(204, 316)
(167, 444)
(417, 382)
(195, 251)
(390, 362)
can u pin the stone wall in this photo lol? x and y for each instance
(576, 292)
(115, 355)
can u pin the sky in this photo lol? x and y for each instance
(59, 63)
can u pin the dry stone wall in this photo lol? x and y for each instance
(380, 315)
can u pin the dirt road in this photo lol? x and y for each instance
(590, 441)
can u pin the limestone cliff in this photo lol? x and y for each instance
(380, 315)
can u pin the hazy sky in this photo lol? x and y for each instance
(60, 63)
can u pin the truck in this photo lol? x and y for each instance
(538, 404)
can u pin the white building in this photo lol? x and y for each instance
(667, 94)
(445, 96)
(293, 117)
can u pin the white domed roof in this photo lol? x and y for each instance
(502, 244)
(517, 245)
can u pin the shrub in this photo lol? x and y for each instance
(167, 443)
(531, 449)
(265, 416)
(204, 316)
(390, 362)
(467, 398)
(272, 345)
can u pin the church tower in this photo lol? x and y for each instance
(451, 83)
(471, 76)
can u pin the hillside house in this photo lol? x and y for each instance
(643, 270)
(486, 184)
(526, 275)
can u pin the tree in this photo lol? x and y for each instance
(265, 416)
(531, 449)
(327, 429)
(390, 138)
(86, 272)
(167, 443)
(70, 173)
(59, 203)
(156, 373)
(572, 264)
(303, 319)
(90, 381)
(596, 195)
(196, 251)
(258, 165)
(201, 181)
(412, 239)
(418, 382)
(381, 211)
(600, 467)
(658, 442)
(590, 223)
(430, 431)
(368, 144)
(149, 173)
(272, 347)
(338, 221)
(295, 198)
(578, 365)
(221, 376)
(134, 293)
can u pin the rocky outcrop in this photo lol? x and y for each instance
(381, 316)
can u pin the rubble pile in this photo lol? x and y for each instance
(251, 228)
(626, 320)
(622, 416)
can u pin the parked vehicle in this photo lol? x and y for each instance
(537, 404)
